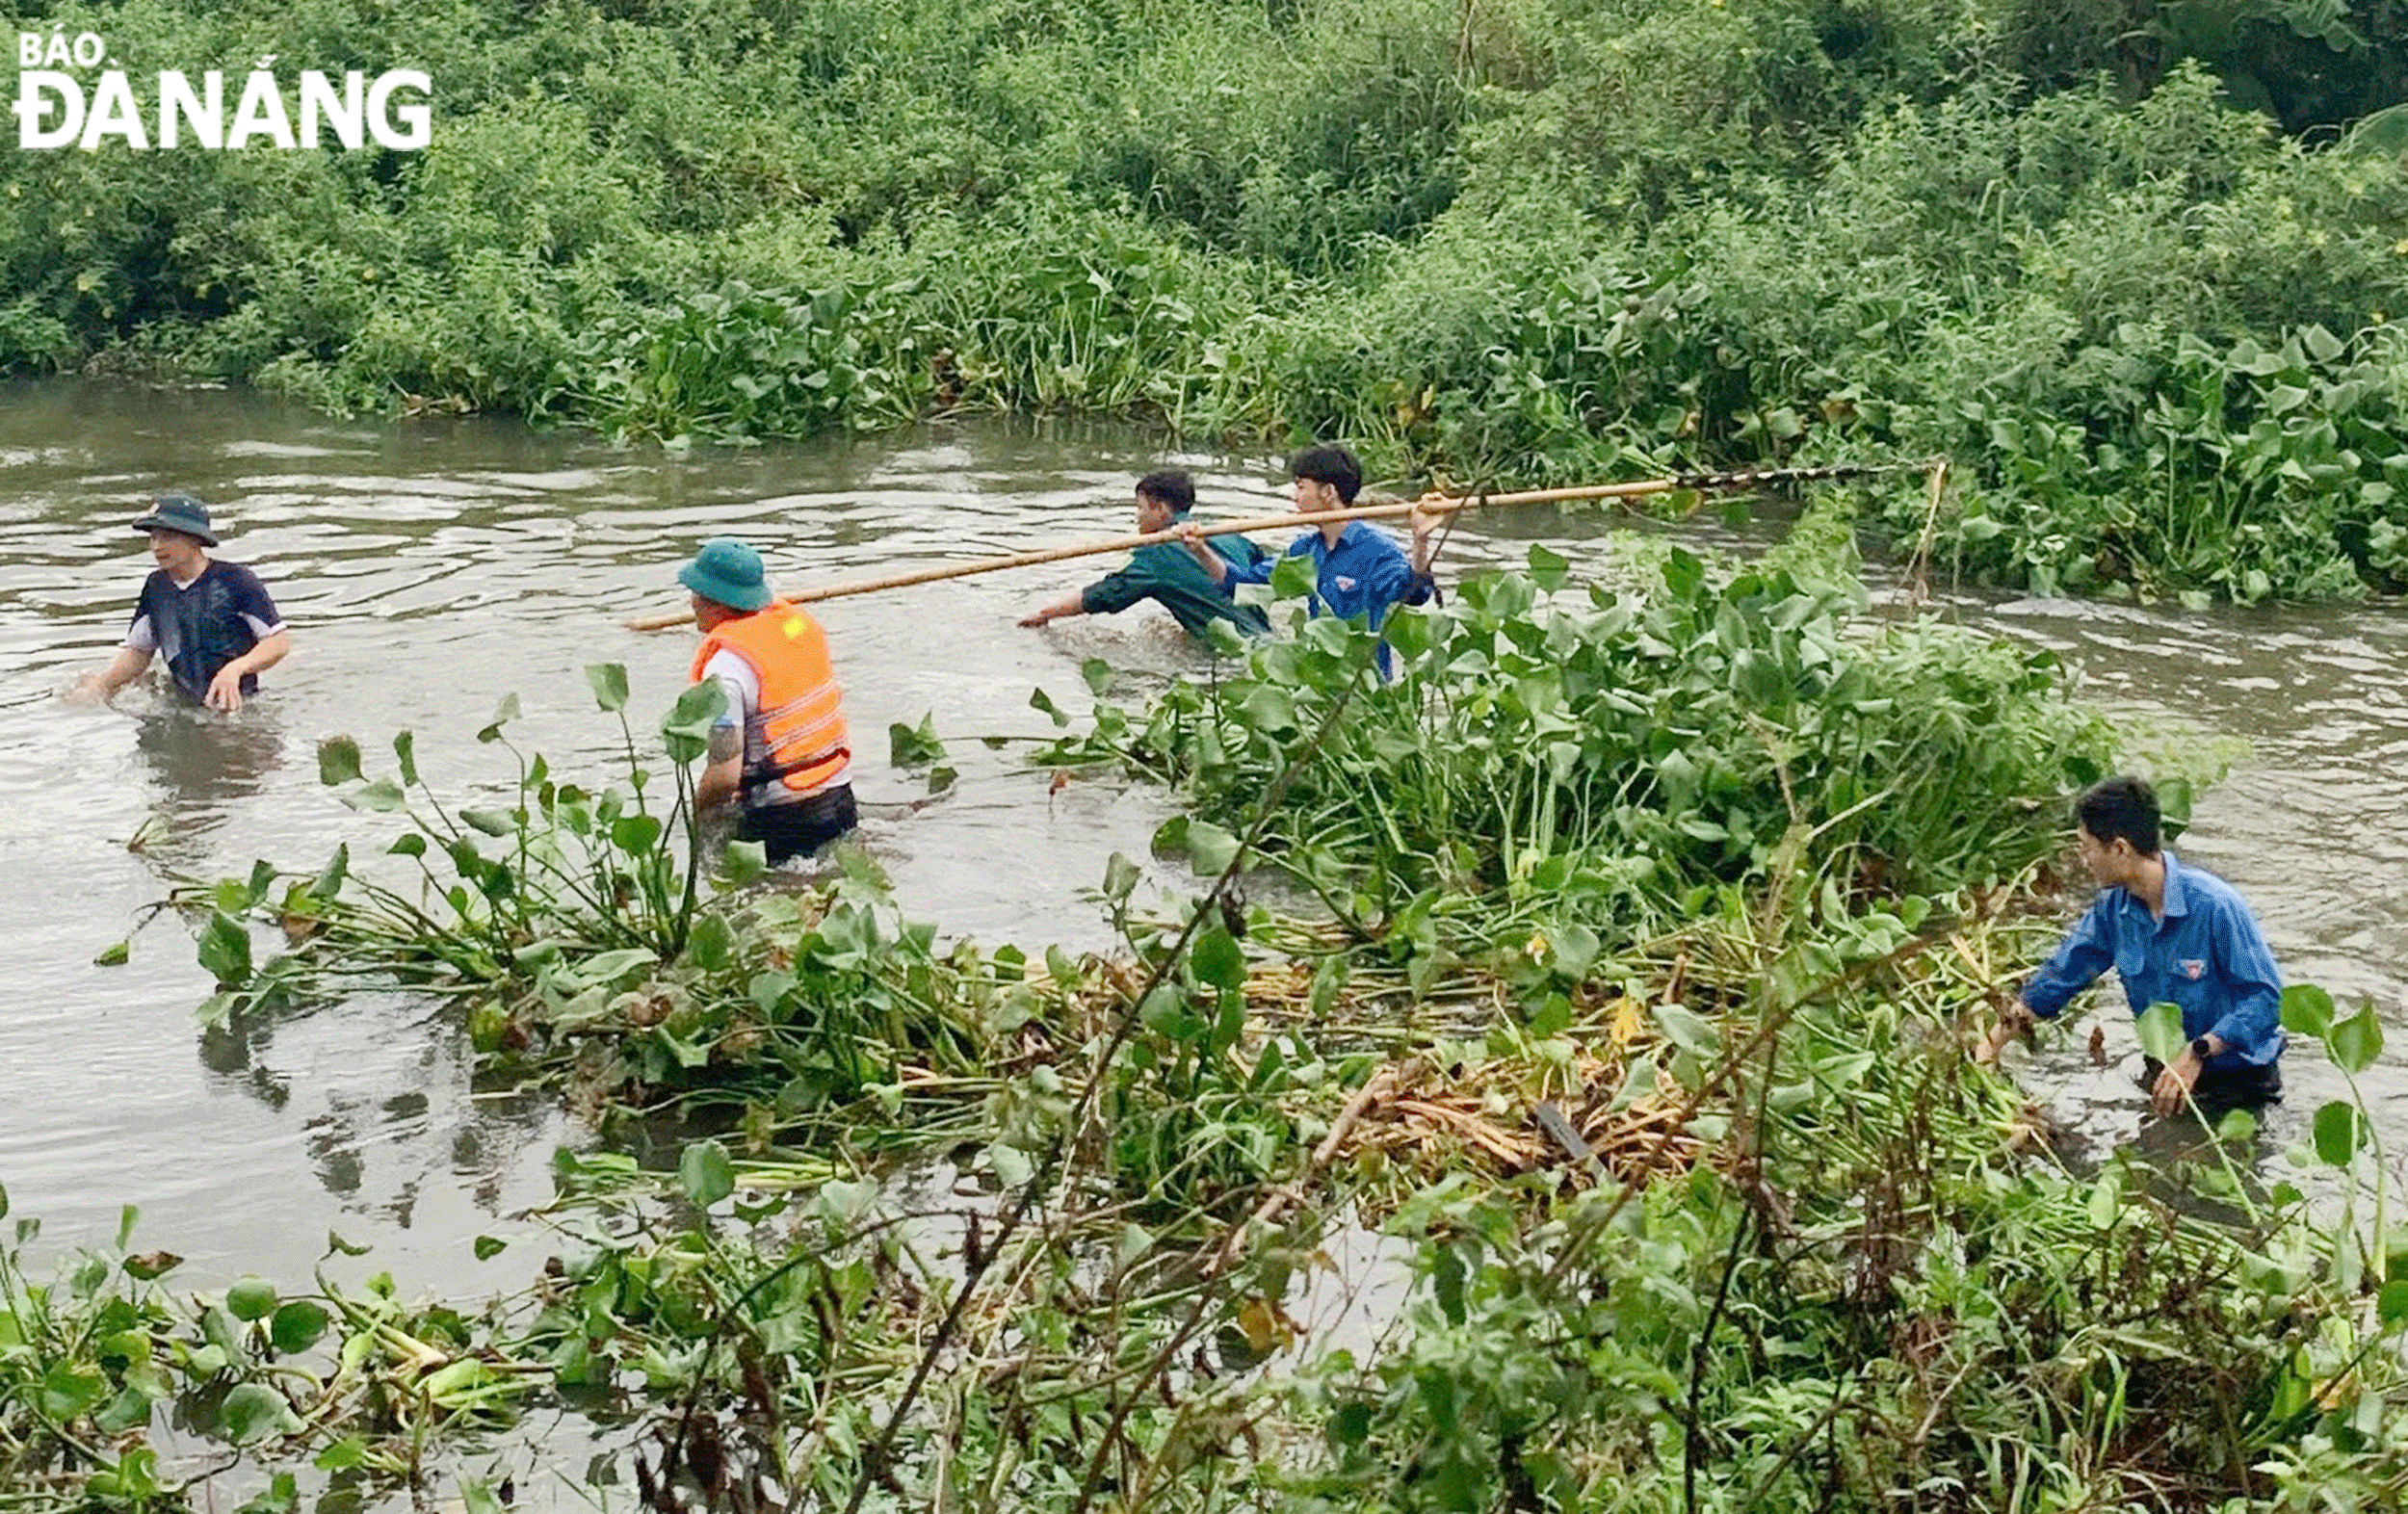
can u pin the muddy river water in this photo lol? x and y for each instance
(431, 569)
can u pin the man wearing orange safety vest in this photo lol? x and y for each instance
(780, 748)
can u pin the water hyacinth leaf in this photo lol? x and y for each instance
(1574, 947)
(2106, 1197)
(406, 753)
(2161, 1032)
(113, 954)
(382, 797)
(477, 1497)
(1292, 578)
(70, 1391)
(502, 715)
(1640, 1081)
(1756, 677)
(410, 845)
(909, 746)
(2175, 797)
(1210, 849)
(1548, 568)
(1270, 708)
(1120, 877)
(132, 1481)
(941, 778)
(2307, 1011)
(281, 1496)
(250, 1298)
(686, 730)
(2236, 1127)
(1170, 837)
(1098, 673)
(343, 1454)
(1040, 700)
(1010, 1164)
(2390, 1305)
(2339, 1131)
(1549, 1015)
(2356, 1042)
(1686, 1029)
(488, 1247)
(224, 950)
(338, 760)
(743, 861)
(609, 967)
(493, 822)
(329, 879)
(254, 1412)
(634, 835)
(704, 1173)
(712, 942)
(1223, 637)
(1219, 958)
(297, 1326)
(1408, 630)
(609, 683)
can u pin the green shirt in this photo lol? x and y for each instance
(1168, 575)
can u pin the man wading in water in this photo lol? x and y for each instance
(1165, 572)
(2171, 933)
(212, 623)
(780, 748)
(1358, 572)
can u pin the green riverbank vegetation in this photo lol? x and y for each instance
(1585, 1010)
(2135, 264)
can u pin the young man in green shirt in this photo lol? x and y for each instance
(1165, 572)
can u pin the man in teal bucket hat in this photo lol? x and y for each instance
(781, 750)
(212, 623)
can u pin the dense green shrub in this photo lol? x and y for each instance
(1532, 239)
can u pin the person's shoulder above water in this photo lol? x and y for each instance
(2202, 891)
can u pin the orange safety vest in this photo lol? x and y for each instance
(796, 736)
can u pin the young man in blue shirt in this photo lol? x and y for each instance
(2171, 933)
(1358, 572)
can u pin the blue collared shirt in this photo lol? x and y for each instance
(1363, 576)
(2205, 954)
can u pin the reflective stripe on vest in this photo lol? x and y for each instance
(795, 739)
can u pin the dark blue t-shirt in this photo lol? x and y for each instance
(199, 627)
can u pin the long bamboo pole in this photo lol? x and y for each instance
(1430, 504)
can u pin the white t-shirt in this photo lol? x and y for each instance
(743, 688)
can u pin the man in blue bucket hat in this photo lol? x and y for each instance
(781, 750)
(212, 623)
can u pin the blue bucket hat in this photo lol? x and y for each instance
(728, 572)
(180, 513)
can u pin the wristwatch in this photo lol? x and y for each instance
(2200, 1049)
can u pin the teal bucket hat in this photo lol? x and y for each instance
(180, 513)
(728, 572)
